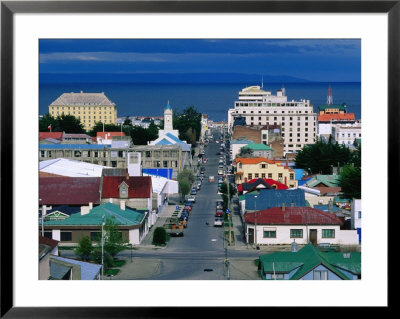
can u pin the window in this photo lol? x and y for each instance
(269, 233)
(263, 165)
(320, 275)
(165, 163)
(296, 233)
(262, 175)
(328, 233)
(250, 176)
(95, 235)
(269, 175)
(48, 234)
(256, 175)
(277, 276)
(148, 153)
(291, 176)
(359, 214)
(66, 236)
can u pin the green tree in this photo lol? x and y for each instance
(245, 152)
(159, 236)
(96, 257)
(152, 131)
(68, 124)
(321, 156)
(140, 135)
(190, 118)
(127, 121)
(84, 248)
(184, 188)
(224, 189)
(45, 121)
(98, 127)
(350, 181)
(113, 242)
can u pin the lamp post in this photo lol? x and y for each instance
(255, 219)
(102, 248)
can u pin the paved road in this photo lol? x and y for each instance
(202, 254)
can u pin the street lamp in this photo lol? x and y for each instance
(102, 247)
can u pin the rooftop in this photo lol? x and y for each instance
(85, 99)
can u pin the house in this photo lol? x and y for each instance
(69, 229)
(47, 247)
(62, 268)
(283, 225)
(58, 136)
(260, 150)
(236, 145)
(356, 216)
(310, 263)
(260, 167)
(259, 183)
(268, 198)
(132, 191)
(320, 189)
(107, 137)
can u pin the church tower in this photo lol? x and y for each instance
(168, 118)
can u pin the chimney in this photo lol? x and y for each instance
(283, 207)
(291, 204)
(85, 210)
(330, 205)
(122, 204)
(90, 206)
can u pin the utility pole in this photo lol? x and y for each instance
(255, 219)
(102, 248)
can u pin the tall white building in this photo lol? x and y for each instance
(168, 123)
(259, 108)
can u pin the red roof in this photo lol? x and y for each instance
(55, 135)
(292, 216)
(69, 190)
(269, 181)
(338, 117)
(139, 186)
(52, 243)
(108, 135)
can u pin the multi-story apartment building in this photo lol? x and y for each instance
(259, 108)
(89, 108)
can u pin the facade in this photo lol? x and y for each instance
(47, 247)
(107, 137)
(62, 268)
(332, 109)
(346, 134)
(132, 224)
(260, 167)
(260, 150)
(310, 263)
(356, 216)
(297, 118)
(285, 225)
(89, 108)
(168, 123)
(236, 145)
(176, 156)
(327, 121)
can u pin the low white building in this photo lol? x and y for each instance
(346, 134)
(236, 145)
(356, 216)
(71, 168)
(285, 225)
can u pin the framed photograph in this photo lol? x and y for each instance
(166, 29)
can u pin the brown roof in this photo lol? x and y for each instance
(139, 186)
(328, 190)
(45, 174)
(69, 190)
(247, 133)
(48, 241)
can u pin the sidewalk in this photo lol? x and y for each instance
(162, 218)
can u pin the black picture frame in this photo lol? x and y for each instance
(9, 8)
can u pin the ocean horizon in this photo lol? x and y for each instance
(214, 99)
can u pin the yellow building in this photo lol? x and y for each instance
(89, 108)
(260, 167)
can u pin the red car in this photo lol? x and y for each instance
(219, 213)
(188, 208)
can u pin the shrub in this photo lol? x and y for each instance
(159, 236)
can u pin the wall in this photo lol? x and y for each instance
(331, 275)
(342, 237)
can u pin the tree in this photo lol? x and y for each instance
(350, 181)
(188, 123)
(159, 236)
(98, 127)
(68, 124)
(321, 156)
(84, 248)
(245, 152)
(45, 122)
(127, 121)
(113, 242)
(184, 188)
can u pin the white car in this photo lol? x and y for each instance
(218, 222)
(191, 198)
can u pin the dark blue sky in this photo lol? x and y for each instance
(329, 60)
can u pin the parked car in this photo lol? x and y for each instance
(218, 222)
(187, 208)
(193, 191)
(219, 213)
(187, 203)
(192, 198)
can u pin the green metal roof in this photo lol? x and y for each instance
(308, 258)
(327, 180)
(257, 147)
(127, 217)
(333, 106)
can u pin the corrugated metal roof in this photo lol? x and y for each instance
(74, 146)
(72, 168)
(139, 186)
(89, 271)
(292, 216)
(85, 99)
(268, 198)
(69, 190)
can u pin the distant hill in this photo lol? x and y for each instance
(48, 78)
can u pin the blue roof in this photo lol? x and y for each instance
(241, 142)
(325, 208)
(164, 142)
(74, 146)
(268, 198)
(298, 173)
(89, 271)
(172, 136)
